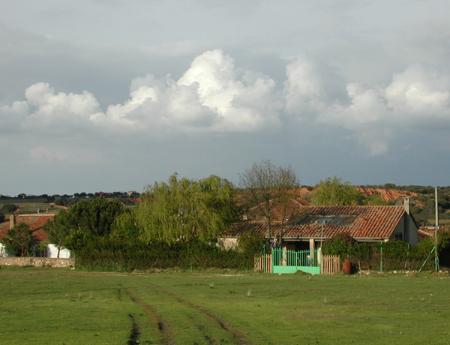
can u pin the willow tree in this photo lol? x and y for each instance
(185, 210)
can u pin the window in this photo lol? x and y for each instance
(398, 236)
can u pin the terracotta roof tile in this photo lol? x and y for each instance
(370, 222)
(36, 223)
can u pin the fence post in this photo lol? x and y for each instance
(381, 257)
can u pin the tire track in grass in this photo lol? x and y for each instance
(133, 339)
(152, 315)
(237, 335)
(200, 327)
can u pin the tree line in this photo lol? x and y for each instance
(179, 213)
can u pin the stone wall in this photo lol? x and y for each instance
(36, 262)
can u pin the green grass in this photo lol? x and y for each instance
(44, 306)
(32, 207)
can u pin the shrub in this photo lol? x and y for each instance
(341, 244)
(116, 256)
(251, 243)
(9, 208)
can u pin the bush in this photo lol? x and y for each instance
(113, 256)
(251, 243)
(9, 208)
(341, 244)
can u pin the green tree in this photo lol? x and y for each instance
(269, 185)
(125, 228)
(186, 210)
(20, 241)
(58, 230)
(335, 192)
(374, 199)
(94, 216)
(9, 208)
(251, 243)
(85, 222)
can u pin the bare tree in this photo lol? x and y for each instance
(269, 185)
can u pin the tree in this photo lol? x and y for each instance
(269, 185)
(125, 228)
(94, 216)
(9, 208)
(20, 241)
(334, 192)
(251, 243)
(184, 210)
(58, 230)
(85, 222)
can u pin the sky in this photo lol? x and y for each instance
(113, 95)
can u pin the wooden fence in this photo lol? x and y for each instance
(330, 264)
(263, 263)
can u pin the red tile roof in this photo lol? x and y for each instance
(361, 222)
(36, 223)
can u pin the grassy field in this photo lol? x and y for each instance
(44, 306)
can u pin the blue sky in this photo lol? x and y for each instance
(113, 95)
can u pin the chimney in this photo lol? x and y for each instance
(406, 205)
(11, 221)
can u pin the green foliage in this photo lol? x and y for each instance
(341, 244)
(58, 229)
(86, 221)
(186, 210)
(397, 255)
(333, 191)
(108, 255)
(8, 208)
(374, 199)
(20, 241)
(94, 216)
(251, 243)
(125, 227)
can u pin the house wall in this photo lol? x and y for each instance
(227, 243)
(52, 252)
(406, 230)
(36, 262)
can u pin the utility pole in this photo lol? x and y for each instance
(436, 228)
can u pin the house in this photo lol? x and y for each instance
(311, 225)
(36, 223)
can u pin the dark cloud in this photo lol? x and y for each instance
(343, 88)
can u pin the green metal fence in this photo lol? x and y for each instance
(291, 261)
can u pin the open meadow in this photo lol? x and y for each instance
(51, 306)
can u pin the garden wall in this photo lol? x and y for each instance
(36, 262)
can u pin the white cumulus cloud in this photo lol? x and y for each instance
(214, 96)
(414, 99)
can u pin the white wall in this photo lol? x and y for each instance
(52, 252)
(2, 250)
(227, 243)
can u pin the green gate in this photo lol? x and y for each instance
(291, 261)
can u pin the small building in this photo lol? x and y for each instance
(311, 225)
(36, 223)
